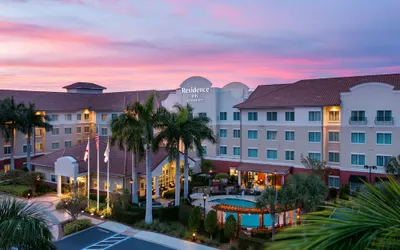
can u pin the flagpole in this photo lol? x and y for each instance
(108, 173)
(98, 170)
(88, 173)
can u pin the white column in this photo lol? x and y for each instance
(239, 178)
(157, 187)
(59, 185)
(283, 179)
(266, 180)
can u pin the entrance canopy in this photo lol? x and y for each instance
(66, 166)
(264, 168)
(357, 178)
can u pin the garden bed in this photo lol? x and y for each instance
(70, 227)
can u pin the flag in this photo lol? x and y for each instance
(107, 152)
(97, 140)
(86, 152)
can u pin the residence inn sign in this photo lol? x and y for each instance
(194, 88)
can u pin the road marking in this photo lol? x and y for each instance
(107, 242)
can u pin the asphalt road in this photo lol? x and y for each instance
(99, 238)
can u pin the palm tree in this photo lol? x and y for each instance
(127, 133)
(393, 167)
(194, 130)
(31, 119)
(10, 118)
(269, 199)
(370, 221)
(23, 226)
(147, 117)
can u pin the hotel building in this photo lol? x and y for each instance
(349, 122)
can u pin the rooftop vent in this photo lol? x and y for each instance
(84, 88)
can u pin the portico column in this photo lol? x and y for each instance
(266, 180)
(283, 179)
(239, 178)
(157, 187)
(58, 185)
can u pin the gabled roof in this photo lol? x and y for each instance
(312, 92)
(84, 85)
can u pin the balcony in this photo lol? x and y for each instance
(358, 120)
(382, 120)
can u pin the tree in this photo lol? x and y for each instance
(207, 166)
(71, 206)
(369, 221)
(211, 223)
(10, 120)
(230, 227)
(269, 199)
(14, 176)
(317, 167)
(195, 219)
(32, 179)
(23, 226)
(393, 167)
(127, 132)
(147, 117)
(31, 119)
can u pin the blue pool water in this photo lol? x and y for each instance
(252, 220)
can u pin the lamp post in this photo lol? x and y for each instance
(370, 169)
(204, 200)
(209, 177)
(275, 180)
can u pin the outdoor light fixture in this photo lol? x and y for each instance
(194, 236)
(82, 211)
(92, 214)
(102, 216)
(370, 169)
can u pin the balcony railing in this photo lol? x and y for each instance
(384, 120)
(358, 120)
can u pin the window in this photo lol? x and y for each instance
(289, 155)
(271, 135)
(333, 157)
(314, 136)
(357, 137)
(7, 168)
(384, 115)
(333, 136)
(114, 116)
(7, 150)
(67, 131)
(78, 130)
(289, 116)
(252, 116)
(94, 183)
(86, 129)
(223, 150)
(105, 185)
(55, 145)
(78, 117)
(86, 117)
(67, 144)
(53, 178)
(223, 133)
(68, 117)
(382, 160)
(236, 116)
(118, 187)
(334, 116)
(272, 116)
(236, 133)
(202, 114)
(289, 135)
(223, 116)
(204, 149)
(358, 159)
(236, 151)
(25, 149)
(104, 117)
(384, 138)
(54, 118)
(252, 135)
(357, 116)
(38, 132)
(39, 146)
(252, 153)
(55, 131)
(272, 154)
(314, 116)
(316, 156)
(334, 182)
(104, 131)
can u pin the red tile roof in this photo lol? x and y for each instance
(117, 158)
(224, 166)
(312, 92)
(266, 89)
(84, 85)
(265, 168)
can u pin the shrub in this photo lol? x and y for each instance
(167, 213)
(76, 226)
(262, 233)
(195, 219)
(245, 242)
(170, 194)
(221, 176)
(333, 192)
(17, 190)
(206, 166)
(43, 188)
(344, 192)
(210, 223)
(184, 213)
(230, 227)
(71, 206)
(93, 206)
(127, 217)
(102, 198)
(31, 179)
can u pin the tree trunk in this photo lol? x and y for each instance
(149, 189)
(12, 144)
(177, 177)
(186, 174)
(28, 151)
(273, 223)
(134, 177)
(125, 166)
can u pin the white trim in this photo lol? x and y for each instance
(67, 128)
(271, 130)
(258, 153)
(219, 149)
(383, 155)
(233, 151)
(233, 133)
(334, 177)
(294, 154)
(266, 154)
(220, 133)
(266, 116)
(333, 131)
(314, 131)
(359, 132)
(365, 158)
(294, 135)
(335, 152)
(252, 131)
(384, 144)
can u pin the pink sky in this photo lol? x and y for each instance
(128, 45)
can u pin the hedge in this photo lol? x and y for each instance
(167, 213)
(184, 213)
(43, 188)
(245, 242)
(76, 226)
(102, 198)
(17, 190)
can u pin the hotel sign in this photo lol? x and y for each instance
(194, 93)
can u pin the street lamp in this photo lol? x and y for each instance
(209, 177)
(204, 200)
(275, 180)
(370, 169)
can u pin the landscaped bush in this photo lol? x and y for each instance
(17, 190)
(167, 213)
(221, 176)
(245, 242)
(102, 198)
(76, 226)
(344, 192)
(93, 206)
(170, 194)
(333, 192)
(174, 229)
(43, 188)
(184, 213)
(262, 233)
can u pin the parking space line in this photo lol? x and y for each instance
(107, 242)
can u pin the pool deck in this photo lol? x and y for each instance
(209, 204)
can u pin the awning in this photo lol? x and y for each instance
(357, 178)
(264, 168)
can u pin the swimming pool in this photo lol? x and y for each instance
(248, 220)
